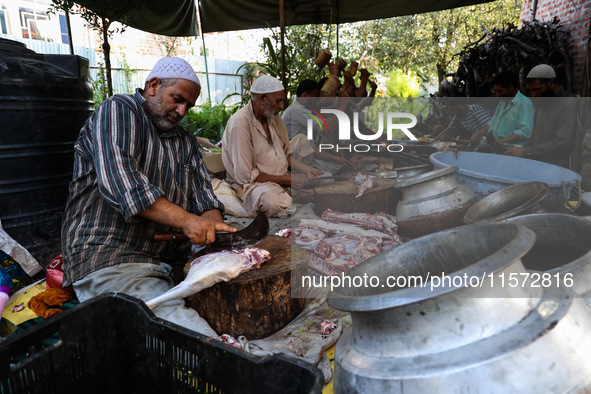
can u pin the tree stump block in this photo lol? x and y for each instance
(340, 196)
(258, 302)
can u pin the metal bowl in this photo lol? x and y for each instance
(511, 201)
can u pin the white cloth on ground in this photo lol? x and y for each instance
(145, 282)
(301, 338)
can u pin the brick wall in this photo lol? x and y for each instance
(575, 16)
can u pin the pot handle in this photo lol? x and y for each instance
(568, 204)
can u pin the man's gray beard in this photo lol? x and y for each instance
(269, 113)
(153, 108)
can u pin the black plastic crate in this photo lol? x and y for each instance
(115, 344)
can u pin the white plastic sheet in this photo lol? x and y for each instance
(18, 253)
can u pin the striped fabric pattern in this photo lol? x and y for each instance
(121, 166)
(475, 119)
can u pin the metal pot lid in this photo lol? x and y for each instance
(488, 248)
(427, 176)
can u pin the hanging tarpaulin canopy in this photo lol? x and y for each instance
(179, 18)
(225, 15)
(165, 17)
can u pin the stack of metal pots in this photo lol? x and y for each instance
(413, 331)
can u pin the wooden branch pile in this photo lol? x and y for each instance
(514, 50)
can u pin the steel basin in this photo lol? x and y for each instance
(563, 245)
(454, 339)
(511, 201)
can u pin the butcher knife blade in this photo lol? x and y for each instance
(256, 231)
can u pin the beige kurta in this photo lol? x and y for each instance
(246, 153)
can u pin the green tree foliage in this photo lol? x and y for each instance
(402, 84)
(426, 43)
(208, 121)
(302, 46)
(100, 15)
(99, 86)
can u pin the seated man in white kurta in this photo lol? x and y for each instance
(256, 151)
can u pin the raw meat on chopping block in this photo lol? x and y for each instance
(213, 268)
(364, 182)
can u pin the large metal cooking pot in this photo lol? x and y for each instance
(511, 201)
(563, 245)
(431, 202)
(481, 338)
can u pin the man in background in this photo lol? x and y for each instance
(256, 152)
(296, 117)
(513, 120)
(553, 135)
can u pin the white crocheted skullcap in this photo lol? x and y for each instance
(266, 84)
(173, 67)
(542, 71)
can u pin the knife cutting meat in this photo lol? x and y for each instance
(233, 257)
(256, 231)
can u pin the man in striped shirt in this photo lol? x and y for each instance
(467, 120)
(137, 172)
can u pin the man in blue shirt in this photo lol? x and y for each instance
(513, 120)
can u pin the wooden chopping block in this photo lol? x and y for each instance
(340, 196)
(259, 302)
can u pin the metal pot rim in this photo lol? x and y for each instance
(417, 166)
(543, 189)
(427, 176)
(514, 249)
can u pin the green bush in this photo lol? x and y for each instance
(402, 84)
(208, 121)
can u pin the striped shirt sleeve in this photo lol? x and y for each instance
(117, 145)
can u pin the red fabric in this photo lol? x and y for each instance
(54, 276)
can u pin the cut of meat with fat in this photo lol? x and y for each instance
(213, 268)
(341, 228)
(382, 222)
(308, 237)
(343, 240)
(341, 252)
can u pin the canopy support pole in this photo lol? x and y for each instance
(282, 33)
(338, 22)
(204, 55)
(69, 28)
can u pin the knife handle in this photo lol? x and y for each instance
(170, 236)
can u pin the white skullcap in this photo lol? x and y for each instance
(173, 67)
(542, 71)
(266, 84)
